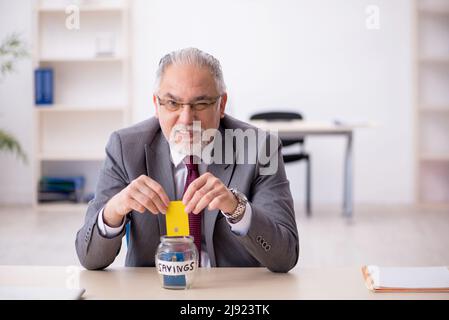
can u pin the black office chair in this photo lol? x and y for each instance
(301, 155)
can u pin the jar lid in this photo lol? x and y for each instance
(177, 239)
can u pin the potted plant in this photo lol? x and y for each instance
(12, 49)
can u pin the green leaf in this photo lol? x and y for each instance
(12, 49)
(10, 144)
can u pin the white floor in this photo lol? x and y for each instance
(402, 236)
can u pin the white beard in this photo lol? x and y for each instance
(187, 140)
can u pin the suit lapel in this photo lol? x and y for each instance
(160, 168)
(224, 172)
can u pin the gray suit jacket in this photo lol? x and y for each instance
(271, 241)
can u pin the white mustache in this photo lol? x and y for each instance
(189, 131)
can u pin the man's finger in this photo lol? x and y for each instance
(153, 196)
(215, 203)
(199, 194)
(145, 201)
(135, 205)
(156, 187)
(205, 200)
(148, 192)
(193, 187)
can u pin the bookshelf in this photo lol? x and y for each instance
(432, 101)
(91, 93)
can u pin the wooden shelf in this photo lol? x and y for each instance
(435, 157)
(80, 59)
(431, 29)
(434, 109)
(71, 157)
(92, 92)
(434, 11)
(436, 205)
(67, 108)
(434, 60)
(83, 8)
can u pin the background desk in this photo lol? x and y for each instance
(215, 283)
(298, 128)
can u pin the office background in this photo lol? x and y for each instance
(314, 56)
(320, 57)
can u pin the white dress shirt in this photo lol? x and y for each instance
(180, 171)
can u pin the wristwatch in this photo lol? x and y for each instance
(241, 205)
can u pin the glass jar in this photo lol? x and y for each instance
(176, 262)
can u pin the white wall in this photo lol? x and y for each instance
(315, 56)
(16, 98)
(309, 55)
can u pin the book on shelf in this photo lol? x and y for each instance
(43, 86)
(61, 189)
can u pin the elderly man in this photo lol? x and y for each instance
(241, 216)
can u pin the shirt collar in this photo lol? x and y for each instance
(176, 157)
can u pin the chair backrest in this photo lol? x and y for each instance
(277, 116)
(280, 116)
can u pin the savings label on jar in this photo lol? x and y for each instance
(176, 261)
(176, 268)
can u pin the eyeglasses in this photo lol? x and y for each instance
(172, 105)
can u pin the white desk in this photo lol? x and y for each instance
(299, 129)
(211, 284)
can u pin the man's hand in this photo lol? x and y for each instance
(142, 193)
(208, 191)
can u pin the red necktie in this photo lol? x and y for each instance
(194, 219)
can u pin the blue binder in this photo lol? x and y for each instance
(43, 82)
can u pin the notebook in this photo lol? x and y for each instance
(406, 279)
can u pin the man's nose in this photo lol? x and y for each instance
(187, 115)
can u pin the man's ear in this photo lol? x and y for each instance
(223, 100)
(155, 106)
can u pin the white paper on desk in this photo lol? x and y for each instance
(39, 293)
(410, 277)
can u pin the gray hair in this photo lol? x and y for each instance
(191, 56)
